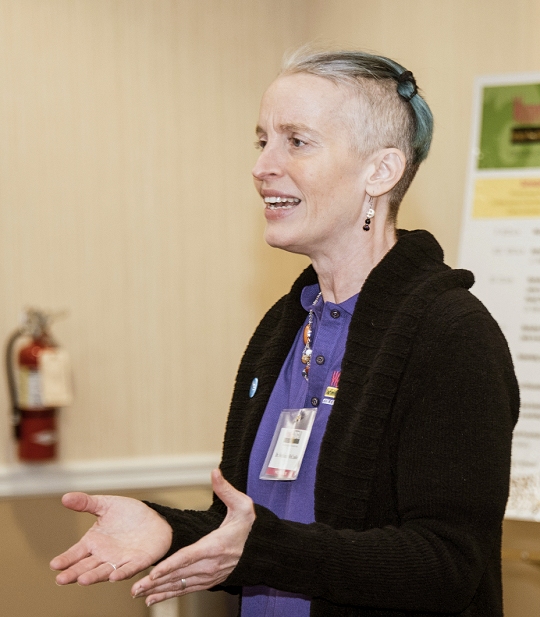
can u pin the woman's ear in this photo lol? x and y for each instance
(387, 169)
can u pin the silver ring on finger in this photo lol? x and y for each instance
(183, 584)
(112, 564)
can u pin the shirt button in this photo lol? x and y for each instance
(319, 359)
(314, 401)
(335, 313)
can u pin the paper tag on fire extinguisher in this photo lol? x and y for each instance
(54, 368)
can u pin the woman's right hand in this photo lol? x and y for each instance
(126, 538)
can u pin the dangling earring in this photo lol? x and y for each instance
(370, 214)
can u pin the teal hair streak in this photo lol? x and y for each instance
(422, 112)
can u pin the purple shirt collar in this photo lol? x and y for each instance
(309, 294)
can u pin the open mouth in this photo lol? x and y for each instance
(281, 203)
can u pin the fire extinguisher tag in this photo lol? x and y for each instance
(54, 368)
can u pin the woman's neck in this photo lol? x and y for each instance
(343, 271)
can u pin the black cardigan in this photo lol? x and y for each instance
(413, 473)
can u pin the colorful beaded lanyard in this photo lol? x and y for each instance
(306, 353)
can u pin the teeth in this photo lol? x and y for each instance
(278, 200)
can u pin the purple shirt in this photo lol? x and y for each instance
(294, 500)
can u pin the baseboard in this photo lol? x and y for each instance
(26, 480)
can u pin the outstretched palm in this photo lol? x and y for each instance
(127, 537)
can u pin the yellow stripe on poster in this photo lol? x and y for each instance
(506, 198)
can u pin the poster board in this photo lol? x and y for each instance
(500, 243)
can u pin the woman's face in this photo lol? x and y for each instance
(308, 163)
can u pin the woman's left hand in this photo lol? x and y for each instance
(209, 561)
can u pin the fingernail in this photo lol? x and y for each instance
(149, 603)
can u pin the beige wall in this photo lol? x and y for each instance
(125, 198)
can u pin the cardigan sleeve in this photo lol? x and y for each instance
(452, 422)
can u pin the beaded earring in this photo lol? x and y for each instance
(370, 214)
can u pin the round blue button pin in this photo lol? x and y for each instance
(253, 387)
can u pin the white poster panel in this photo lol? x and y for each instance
(500, 243)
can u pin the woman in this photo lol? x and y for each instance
(396, 507)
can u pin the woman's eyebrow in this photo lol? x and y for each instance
(298, 128)
(292, 128)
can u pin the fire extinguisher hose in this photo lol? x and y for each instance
(12, 385)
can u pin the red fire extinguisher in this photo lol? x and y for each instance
(29, 377)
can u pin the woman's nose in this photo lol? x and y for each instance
(268, 164)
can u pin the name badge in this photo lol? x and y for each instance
(289, 444)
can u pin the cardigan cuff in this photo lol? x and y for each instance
(250, 567)
(188, 526)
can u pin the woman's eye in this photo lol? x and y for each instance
(260, 144)
(297, 143)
